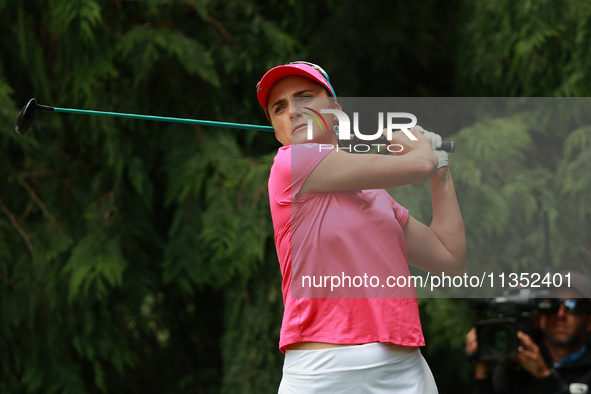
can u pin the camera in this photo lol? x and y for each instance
(512, 312)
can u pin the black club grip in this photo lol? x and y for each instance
(448, 146)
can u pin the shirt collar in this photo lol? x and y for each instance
(571, 357)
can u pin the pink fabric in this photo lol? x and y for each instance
(347, 233)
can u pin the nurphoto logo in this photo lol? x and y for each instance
(345, 128)
(345, 124)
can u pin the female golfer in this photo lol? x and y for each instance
(334, 220)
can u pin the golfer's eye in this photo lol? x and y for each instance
(279, 108)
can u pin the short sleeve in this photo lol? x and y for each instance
(400, 212)
(291, 167)
(280, 177)
(304, 158)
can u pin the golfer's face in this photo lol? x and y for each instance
(295, 100)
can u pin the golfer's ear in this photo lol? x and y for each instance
(338, 106)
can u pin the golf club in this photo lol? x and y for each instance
(27, 116)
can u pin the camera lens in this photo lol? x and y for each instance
(497, 339)
(500, 339)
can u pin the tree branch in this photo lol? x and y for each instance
(17, 226)
(111, 195)
(41, 205)
(220, 26)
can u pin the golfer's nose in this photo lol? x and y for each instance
(295, 110)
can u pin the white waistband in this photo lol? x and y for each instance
(346, 357)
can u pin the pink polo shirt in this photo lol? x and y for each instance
(336, 252)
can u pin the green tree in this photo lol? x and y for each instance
(139, 256)
(124, 242)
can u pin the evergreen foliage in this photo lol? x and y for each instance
(118, 237)
(139, 256)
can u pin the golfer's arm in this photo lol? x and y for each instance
(342, 171)
(441, 247)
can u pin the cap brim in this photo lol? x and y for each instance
(279, 72)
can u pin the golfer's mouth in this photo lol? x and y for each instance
(298, 127)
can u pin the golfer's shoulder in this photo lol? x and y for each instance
(282, 160)
(300, 158)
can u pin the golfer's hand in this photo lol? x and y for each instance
(436, 141)
(481, 370)
(530, 357)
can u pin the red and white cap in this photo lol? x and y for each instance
(304, 69)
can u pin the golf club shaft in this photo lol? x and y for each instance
(447, 146)
(160, 118)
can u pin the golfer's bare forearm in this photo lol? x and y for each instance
(343, 171)
(447, 222)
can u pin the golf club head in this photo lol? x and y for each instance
(26, 117)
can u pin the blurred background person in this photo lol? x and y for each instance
(559, 363)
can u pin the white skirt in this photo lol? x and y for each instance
(373, 368)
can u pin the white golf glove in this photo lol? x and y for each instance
(435, 140)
